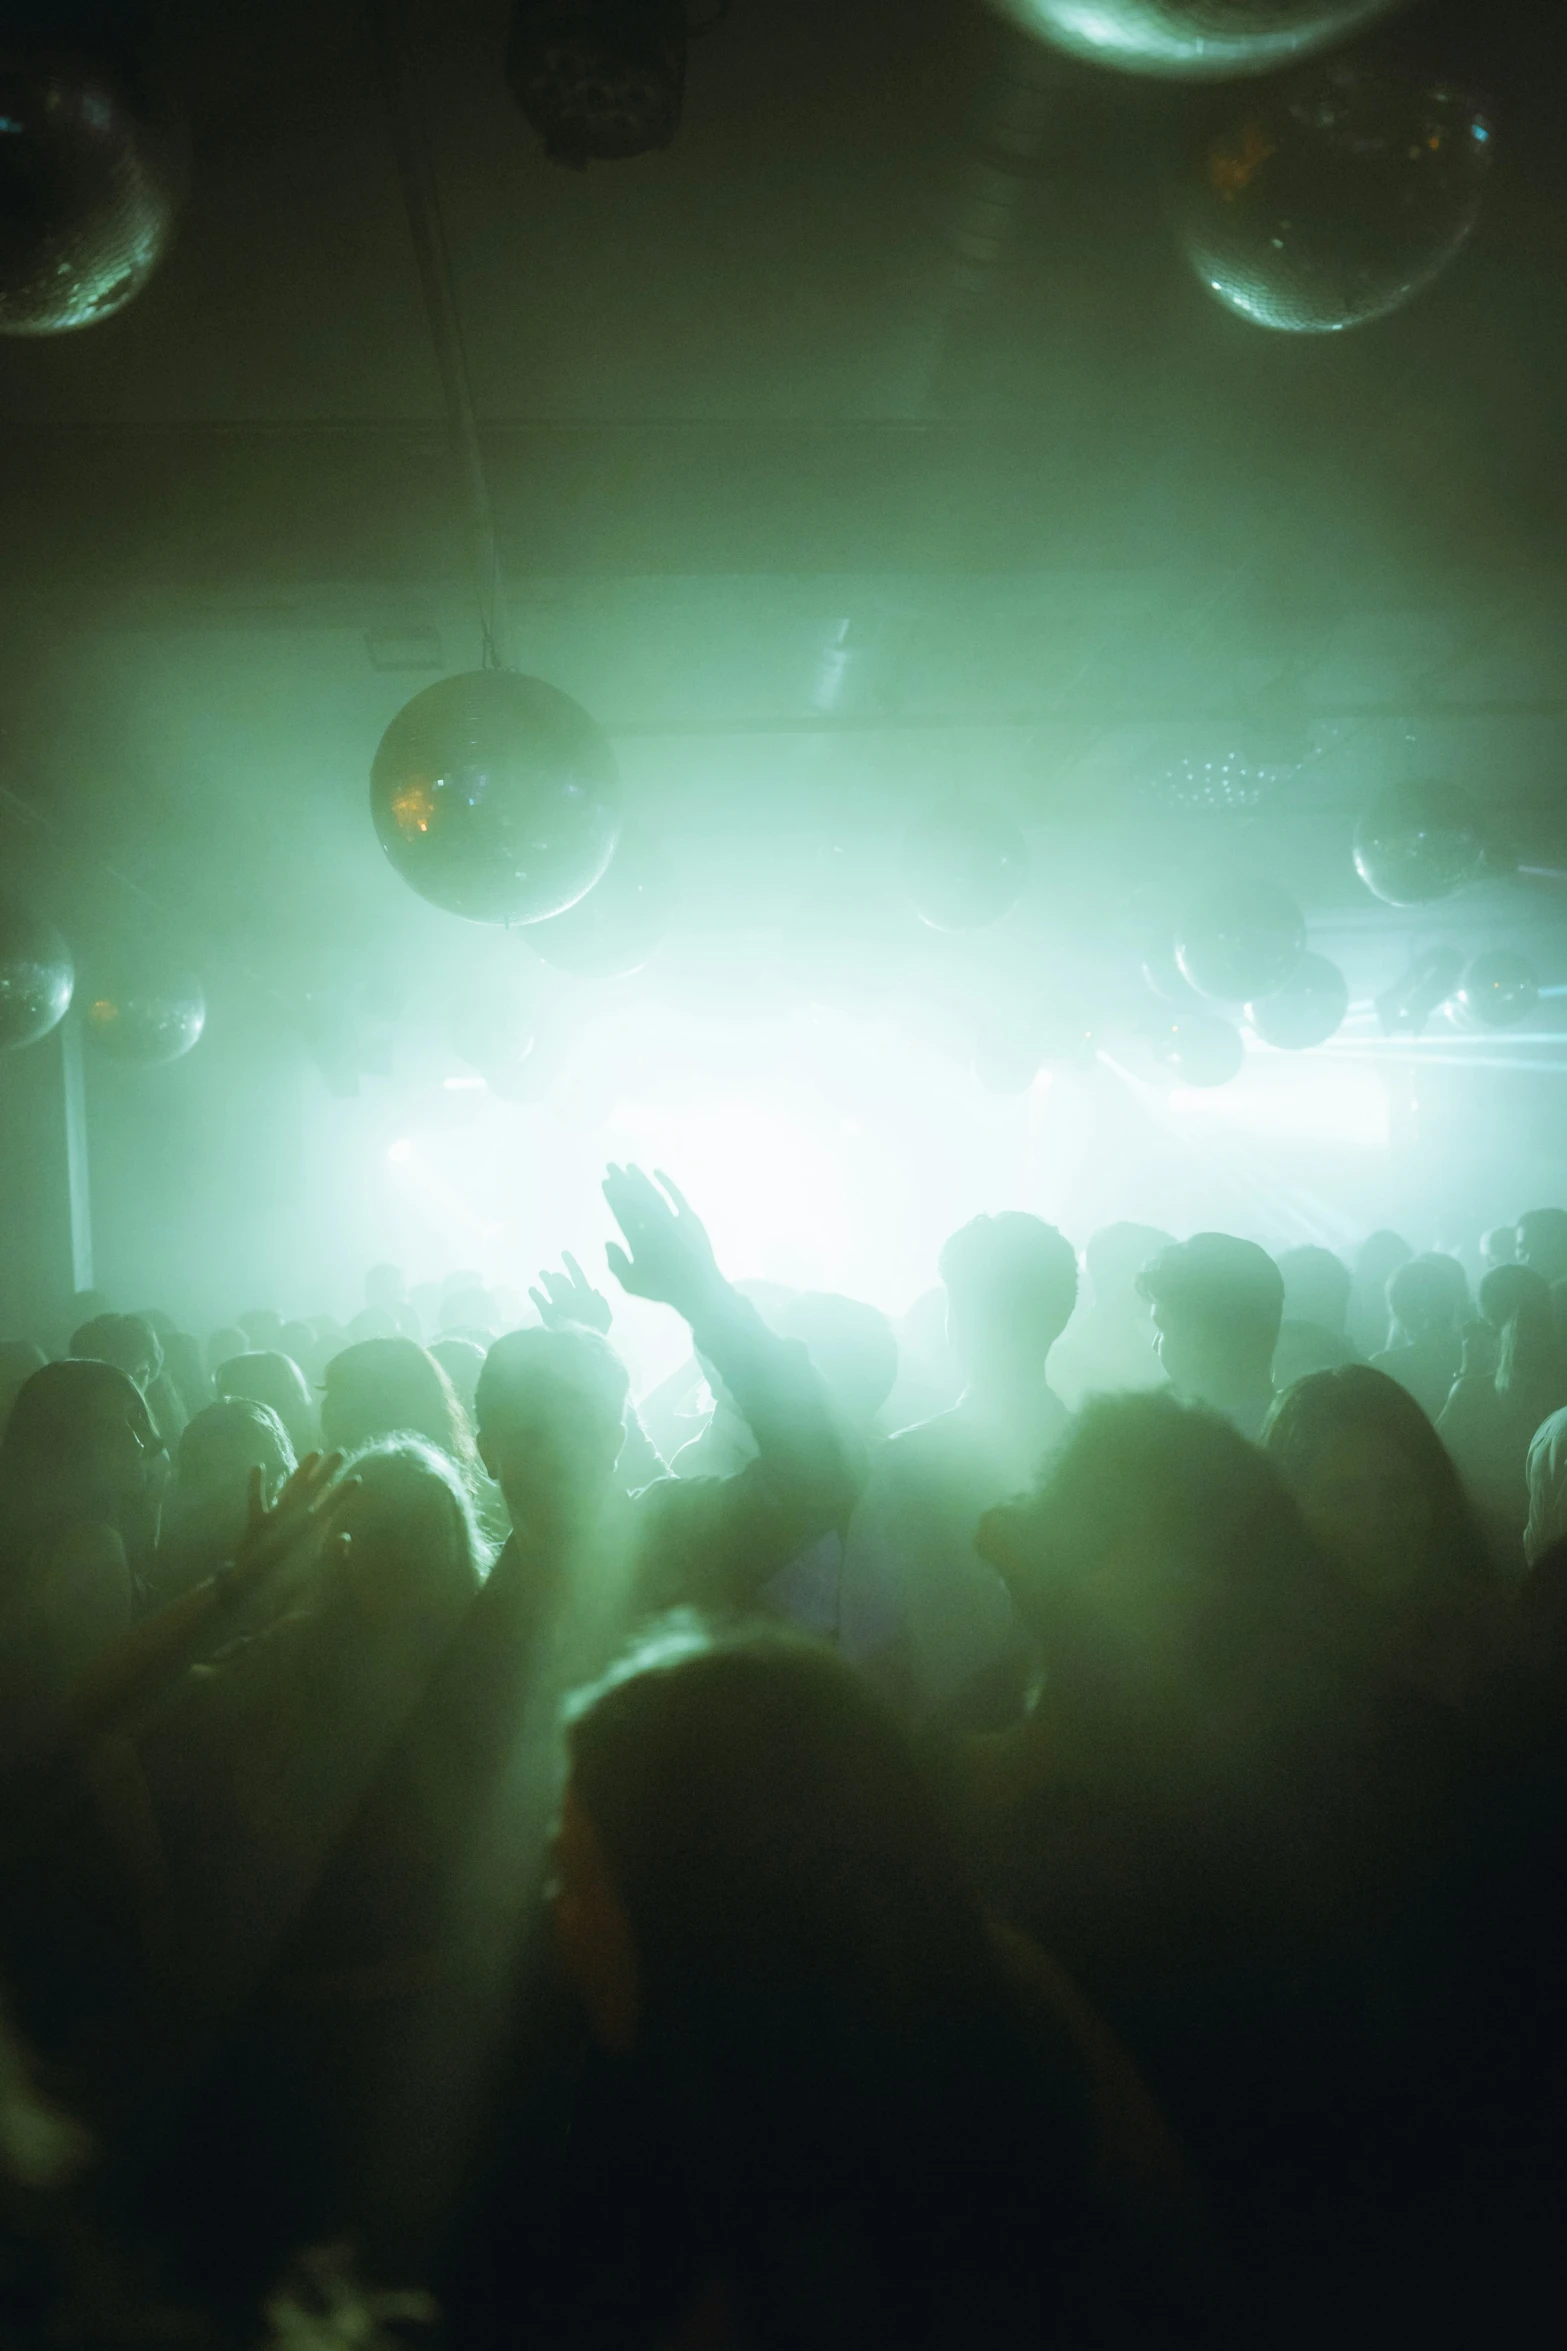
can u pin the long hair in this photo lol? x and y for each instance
(395, 1388)
(817, 1985)
(44, 1451)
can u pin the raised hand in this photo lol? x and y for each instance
(671, 1260)
(568, 1301)
(304, 1509)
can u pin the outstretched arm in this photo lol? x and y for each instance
(715, 1542)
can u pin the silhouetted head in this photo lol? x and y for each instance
(182, 1362)
(1542, 1242)
(392, 1388)
(1217, 1305)
(223, 1346)
(412, 1549)
(1375, 1484)
(262, 1326)
(19, 1359)
(1427, 1295)
(79, 1443)
(1317, 1285)
(851, 1346)
(1499, 1246)
(268, 1377)
(755, 1892)
(126, 1341)
(1011, 1284)
(1160, 1563)
(551, 1422)
(222, 1445)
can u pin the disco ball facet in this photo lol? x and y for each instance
(1419, 842)
(1499, 990)
(599, 80)
(1336, 200)
(1199, 1049)
(496, 797)
(1195, 40)
(619, 925)
(1307, 1010)
(91, 175)
(36, 978)
(148, 1022)
(1241, 941)
(964, 867)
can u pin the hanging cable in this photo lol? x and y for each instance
(427, 229)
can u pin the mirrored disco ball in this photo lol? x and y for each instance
(599, 80)
(1498, 990)
(149, 1021)
(1336, 199)
(496, 797)
(1195, 39)
(1240, 940)
(1418, 842)
(964, 867)
(1306, 1011)
(36, 977)
(92, 170)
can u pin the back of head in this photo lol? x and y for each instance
(270, 1378)
(19, 1359)
(462, 1360)
(1542, 1242)
(48, 1465)
(1379, 1255)
(223, 1443)
(1219, 1299)
(1116, 1255)
(126, 1341)
(1532, 1365)
(851, 1346)
(1011, 1284)
(1317, 1285)
(391, 1387)
(1426, 1295)
(412, 1543)
(550, 1411)
(1306, 1437)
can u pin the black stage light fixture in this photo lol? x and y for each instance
(599, 80)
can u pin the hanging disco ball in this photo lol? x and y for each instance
(148, 1022)
(599, 80)
(620, 924)
(1335, 200)
(964, 867)
(36, 977)
(1241, 941)
(1306, 1011)
(1419, 842)
(496, 797)
(1195, 40)
(1498, 991)
(1199, 1049)
(92, 167)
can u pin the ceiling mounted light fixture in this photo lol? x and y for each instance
(600, 80)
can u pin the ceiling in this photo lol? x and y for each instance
(848, 454)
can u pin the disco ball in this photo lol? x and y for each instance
(1418, 842)
(36, 977)
(496, 797)
(148, 1022)
(599, 80)
(1194, 40)
(1335, 200)
(1199, 1049)
(1241, 941)
(964, 867)
(92, 170)
(1307, 1010)
(1498, 991)
(619, 925)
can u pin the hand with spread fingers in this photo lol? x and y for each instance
(671, 1259)
(568, 1301)
(304, 1510)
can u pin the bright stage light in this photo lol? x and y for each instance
(400, 1152)
(1304, 1098)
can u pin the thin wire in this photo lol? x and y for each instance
(427, 230)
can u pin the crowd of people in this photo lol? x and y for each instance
(1043, 1824)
